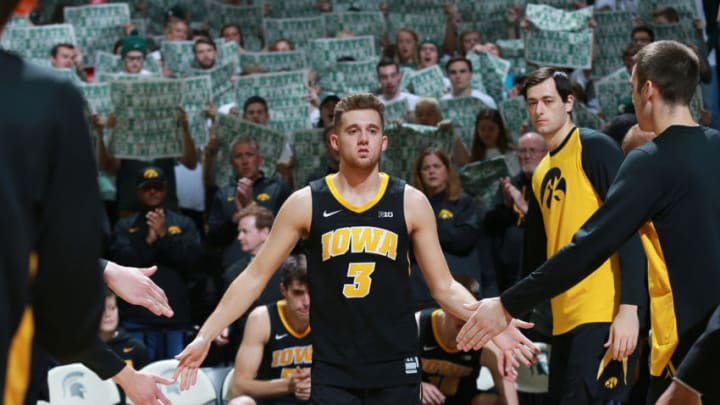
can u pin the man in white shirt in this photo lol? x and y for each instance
(459, 70)
(389, 76)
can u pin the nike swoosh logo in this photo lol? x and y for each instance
(427, 348)
(329, 214)
(278, 337)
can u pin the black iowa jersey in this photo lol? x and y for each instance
(364, 330)
(285, 350)
(452, 371)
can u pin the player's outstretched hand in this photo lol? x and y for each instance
(133, 285)
(190, 360)
(489, 319)
(624, 332)
(141, 388)
(516, 345)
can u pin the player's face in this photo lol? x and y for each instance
(152, 195)
(251, 238)
(298, 299)
(428, 55)
(63, 58)
(110, 318)
(389, 79)
(433, 174)
(360, 139)
(546, 109)
(488, 132)
(642, 111)
(133, 62)
(459, 75)
(246, 160)
(205, 55)
(257, 113)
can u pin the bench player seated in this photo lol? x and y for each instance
(273, 362)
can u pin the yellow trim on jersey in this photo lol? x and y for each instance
(664, 337)
(281, 308)
(358, 209)
(436, 333)
(17, 372)
(607, 358)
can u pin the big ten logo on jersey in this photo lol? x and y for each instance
(359, 239)
(444, 374)
(295, 356)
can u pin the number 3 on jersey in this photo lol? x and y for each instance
(360, 287)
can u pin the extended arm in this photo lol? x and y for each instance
(289, 227)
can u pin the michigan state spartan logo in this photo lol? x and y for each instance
(553, 187)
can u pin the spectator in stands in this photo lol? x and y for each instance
(205, 52)
(468, 40)
(251, 187)
(390, 76)
(459, 70)
(125, 170)
(455, 215)
(158, 236)
(429, 53)
(492, 139)
(628, 55)
(407, 42)
(231, 33)
(504, 223)
(274, 359)
(281, 45)
(133, 52)
(326, 111)
(67, 56)
(428, 112)
(253, 224)
(642, 35)
(177, 30)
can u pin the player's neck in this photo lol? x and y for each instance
(664, 116)
(298, 325)
(357, 182)
(558, 137)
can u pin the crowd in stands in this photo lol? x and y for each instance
(170, 212)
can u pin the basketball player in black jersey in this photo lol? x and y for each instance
(667, 191)
(359, 224)
(273, 363)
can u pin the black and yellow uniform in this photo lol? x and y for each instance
(667, 190)
(569, 185)
(50, 282)
(364, 331)
(285, 350)
(452, 371)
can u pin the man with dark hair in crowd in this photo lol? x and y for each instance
(642, 35)
(205, 52)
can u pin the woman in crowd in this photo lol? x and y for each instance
(455, 214)
(407, 42)
(492, 139)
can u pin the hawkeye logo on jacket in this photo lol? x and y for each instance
(263, 197)
(445, 214)
(174, 230)
(553, 187)
(359, 239)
